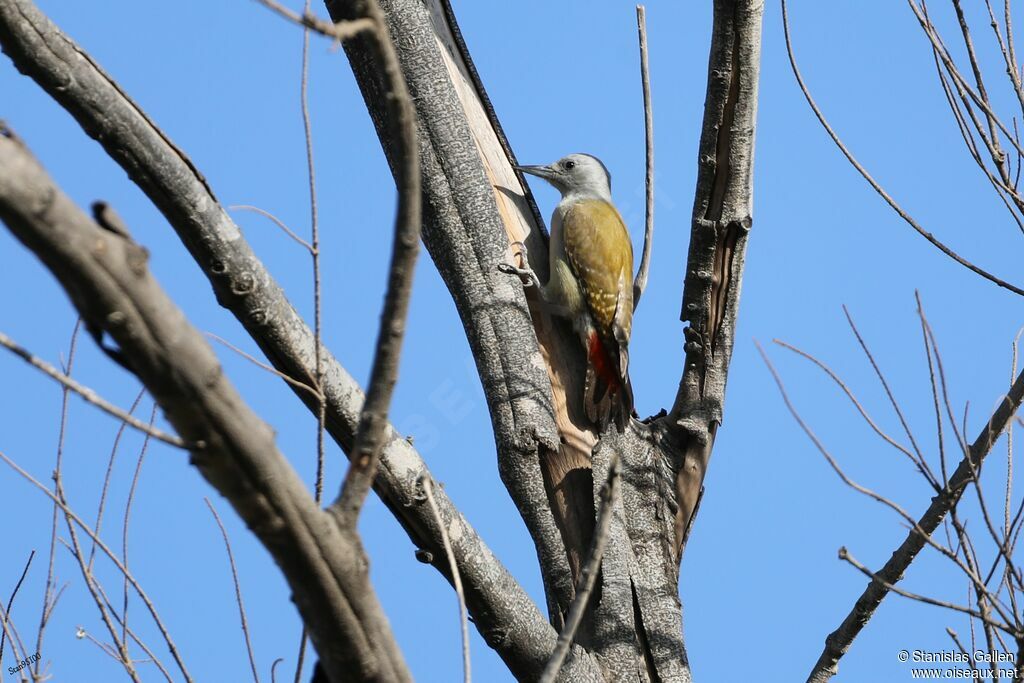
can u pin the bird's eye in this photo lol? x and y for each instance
(569, 165)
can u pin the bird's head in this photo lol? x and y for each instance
(575, 174)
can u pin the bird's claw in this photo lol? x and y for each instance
(525, 273)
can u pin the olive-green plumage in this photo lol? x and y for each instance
(600, 253)
(591, 280)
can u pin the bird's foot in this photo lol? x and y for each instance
(524, 272)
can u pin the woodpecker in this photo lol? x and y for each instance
(591, 279)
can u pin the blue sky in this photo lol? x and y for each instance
(761, 585)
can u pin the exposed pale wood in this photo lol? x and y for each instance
(502, 611)
(567, 470)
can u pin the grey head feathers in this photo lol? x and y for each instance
(576, 174)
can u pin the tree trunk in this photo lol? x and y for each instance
(531, 365)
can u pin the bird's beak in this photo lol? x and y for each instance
(545, 172)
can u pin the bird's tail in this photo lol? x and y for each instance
(608, 393)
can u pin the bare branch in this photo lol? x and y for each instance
(110, 470)
(871, 181)
(892, 398)
(369, 438)
(839, 641)
(238, 590)
(428, 492)
(845, 555)
(105, 274)
(318, 363)
(640, 283)
(10, 601)
(88, 394)
(588, 575)
(721, 221)
(339, 30)
(245, 287)
(119, 649)
(277, 221)
(256, 361)
(72, 517)
(128, 516)
(49, 599)
(919, 464)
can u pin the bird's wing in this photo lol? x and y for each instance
(599, 250)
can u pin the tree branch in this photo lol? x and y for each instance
(465, 232)
(10, 601)
(428, 493)
(88, 394)
(106, 277)
(871, 181)
(588, 575)
(238, 591)
(839, 641)
(640, 282)
(722, 217)
(369, 438)
(503, 612)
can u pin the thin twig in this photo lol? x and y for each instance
(10, 602)
(640, 283)
(317, 286)
(113, 558)
(321, 408)
(238, 590)
(958, 78)
(129, 633)
(1002, 185)
(588, 574)
(272, 370)
(277, 221)
(273, 669)
(88, 394)
(960, 646)
(342, 30)
(840, 640)
(428, 491)
(49, 600)
(868, 177)
(933, 381)
(1009, 444)
(888, 393)
(120, 647)
(11, 632)
(104, 647)
(369, 437)
(127, 517)
(921, 531)
(920, 465)
(845, 555)
(110, 471)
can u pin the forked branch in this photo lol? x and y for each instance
(245, 287)
(106, 277)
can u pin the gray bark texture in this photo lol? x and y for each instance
(105, 275)
(550, 459)
(505, 615)
(531, 366)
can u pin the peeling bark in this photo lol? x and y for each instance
(475, 204)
